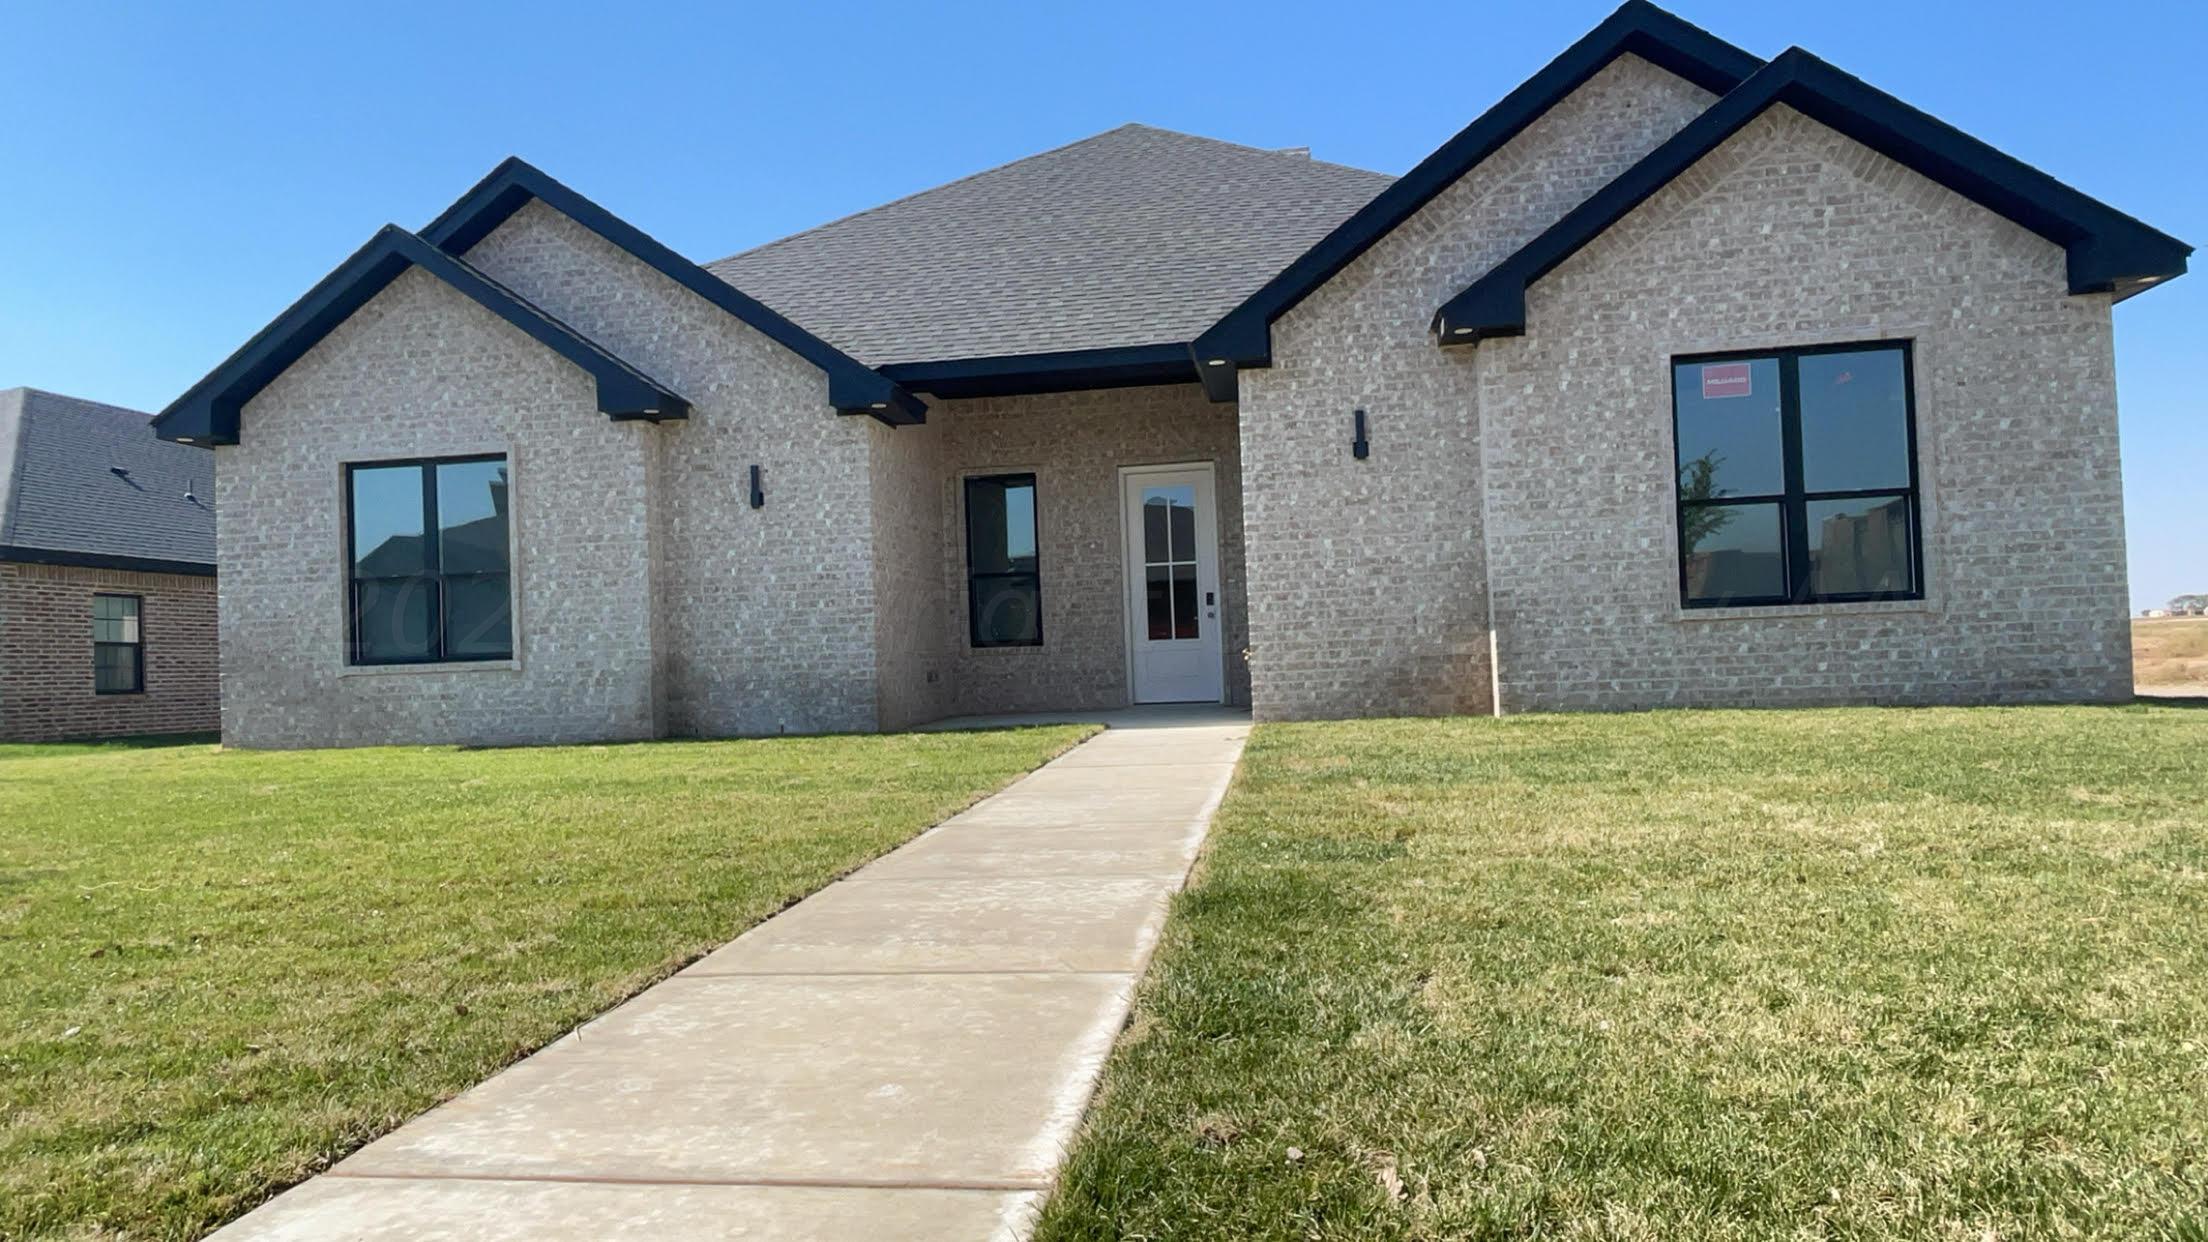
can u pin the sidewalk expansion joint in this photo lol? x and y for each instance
(1008, 972)
(989, 1185)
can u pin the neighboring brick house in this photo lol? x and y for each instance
(1678, 377)
(107, 574)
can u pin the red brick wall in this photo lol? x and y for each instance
(46, 654)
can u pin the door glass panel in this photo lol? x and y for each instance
(1733, 552)
(1860, 547)
(1183, 502)
(1158, 594)
(1156, 547)
(1184, 602)
(1855, 422)
(1731, 442)
(1169, 560)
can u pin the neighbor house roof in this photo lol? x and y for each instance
(2107, 251)
(1137, 237)
(88, 484)
(208, 412)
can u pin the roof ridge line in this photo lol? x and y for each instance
(906, 198)
(1285, 153)
(1036, 155)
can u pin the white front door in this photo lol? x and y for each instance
(1174, 652)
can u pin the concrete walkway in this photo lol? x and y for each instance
(903, 1055)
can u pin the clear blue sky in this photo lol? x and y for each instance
(177, 174)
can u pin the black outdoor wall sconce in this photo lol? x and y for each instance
(1359, 448)
(758, 497)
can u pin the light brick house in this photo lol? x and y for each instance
(107, 574)
(1678, 377)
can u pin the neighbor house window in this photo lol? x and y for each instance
(428, 565)
(118, 645)
(1004, 591)
(1797, 476)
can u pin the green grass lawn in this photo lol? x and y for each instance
(221, 970)
(1723, 975)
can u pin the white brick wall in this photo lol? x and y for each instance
(1519, 492)
(653, 599)
(768, 613)
(1075, 444)
(423, 371)
(1368, 579)
(1791, 234)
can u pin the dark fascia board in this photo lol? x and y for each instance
(2108, 251)
(208, 413)
(1065, 371)
(1243, 338)
(23, 555)
(853, 387)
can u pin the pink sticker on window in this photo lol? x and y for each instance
(1725, 379)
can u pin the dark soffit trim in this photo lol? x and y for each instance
(208, 412)
(23, 555)
(1071, 370)
(2108, 251)
(853, 387)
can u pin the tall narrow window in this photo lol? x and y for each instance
(118, 646)
(1004, 592)
(1797, 477)
(430, 579)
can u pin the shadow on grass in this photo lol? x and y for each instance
(67, 746)
(2173, 700)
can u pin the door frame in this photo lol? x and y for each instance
(1128, 634)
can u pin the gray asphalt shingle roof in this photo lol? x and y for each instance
(60, 490)
(1137, 236)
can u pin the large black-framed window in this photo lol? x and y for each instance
(1004, 585)
(428, 578)
(118, 645)
(1797, 474)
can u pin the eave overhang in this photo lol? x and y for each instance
(1065, 371)
(2107, 251)
(853, 387)
(25, 554)
(1243, 337)
(208, 414)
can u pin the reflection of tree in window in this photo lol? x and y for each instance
(1697, 482)
(1814, 497)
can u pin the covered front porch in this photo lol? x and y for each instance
(1062, 552)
